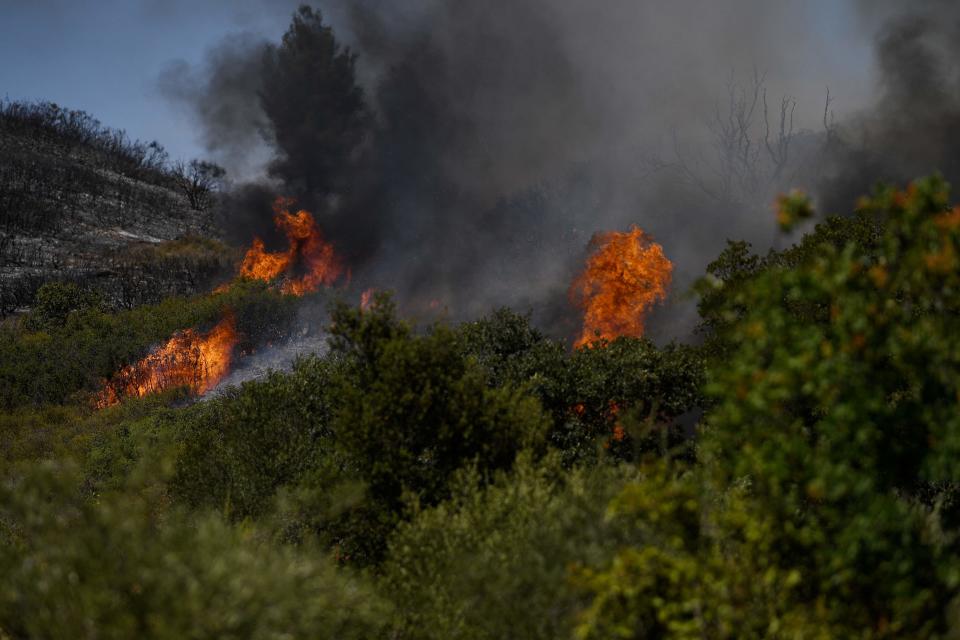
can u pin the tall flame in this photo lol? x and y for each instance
(625, 275)
(308, 262)
(190, 359)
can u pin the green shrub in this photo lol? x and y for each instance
(237, 450)
(57, 300)
(661, 585)
(103, 442)
(119, 568)
(493, 562)
(842, 419)
(586, 392)
(411, 410)
(825, 504)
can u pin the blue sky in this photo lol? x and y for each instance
(104, 56)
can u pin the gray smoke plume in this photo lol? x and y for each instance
(501, 135)
(913, 127)
(221, 96)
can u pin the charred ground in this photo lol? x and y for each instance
(83, 203)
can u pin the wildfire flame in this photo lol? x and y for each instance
(625, 275)
(190, 359)
(366, 298)
(198, 361)
(308, 262)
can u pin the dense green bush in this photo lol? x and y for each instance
(665, 584)
(57, 300)
(736, 268)
(509, 349)
(492, 562)
(120, 568)
(343, 445)
(842, 422)
(824, 503)
(412, 410)
(587, 391)
(237, 450)
(52, 432)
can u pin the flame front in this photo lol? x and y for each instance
(625, 275)
(308, 262)
(188, 359)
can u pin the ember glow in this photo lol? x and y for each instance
(188, 359)
(366, 298)
(309, 261)
(625, 275)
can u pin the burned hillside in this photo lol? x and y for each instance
(83, 203)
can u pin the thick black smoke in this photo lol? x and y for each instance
(482, 128)
(495, 138)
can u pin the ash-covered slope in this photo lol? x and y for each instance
(82, 202)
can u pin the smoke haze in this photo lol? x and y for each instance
(502, 135)
(912, 127)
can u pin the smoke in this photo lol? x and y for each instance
(912, 128)
(221, 96)
(500, 136)
(280, 357)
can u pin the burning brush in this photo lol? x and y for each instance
(309, 261)
(188, 359)
(199, 361)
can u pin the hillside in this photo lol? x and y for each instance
(81, 202)
(482, 480)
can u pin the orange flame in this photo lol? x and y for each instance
(625, 275)
(619, 433)
(366, 298)
(190, 359)
(308, 262)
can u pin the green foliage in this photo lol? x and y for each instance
(792, 209)
(587, 391)
(236, 451)
(492, 562)
(57, 300)
(53, 432)
(340, 446)
(736, 268)
(824, 503)
(852, 413)
(631, 376)
(508, 347)
(412, 410)
(654, 588)
(119, 568)
(689, 573)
